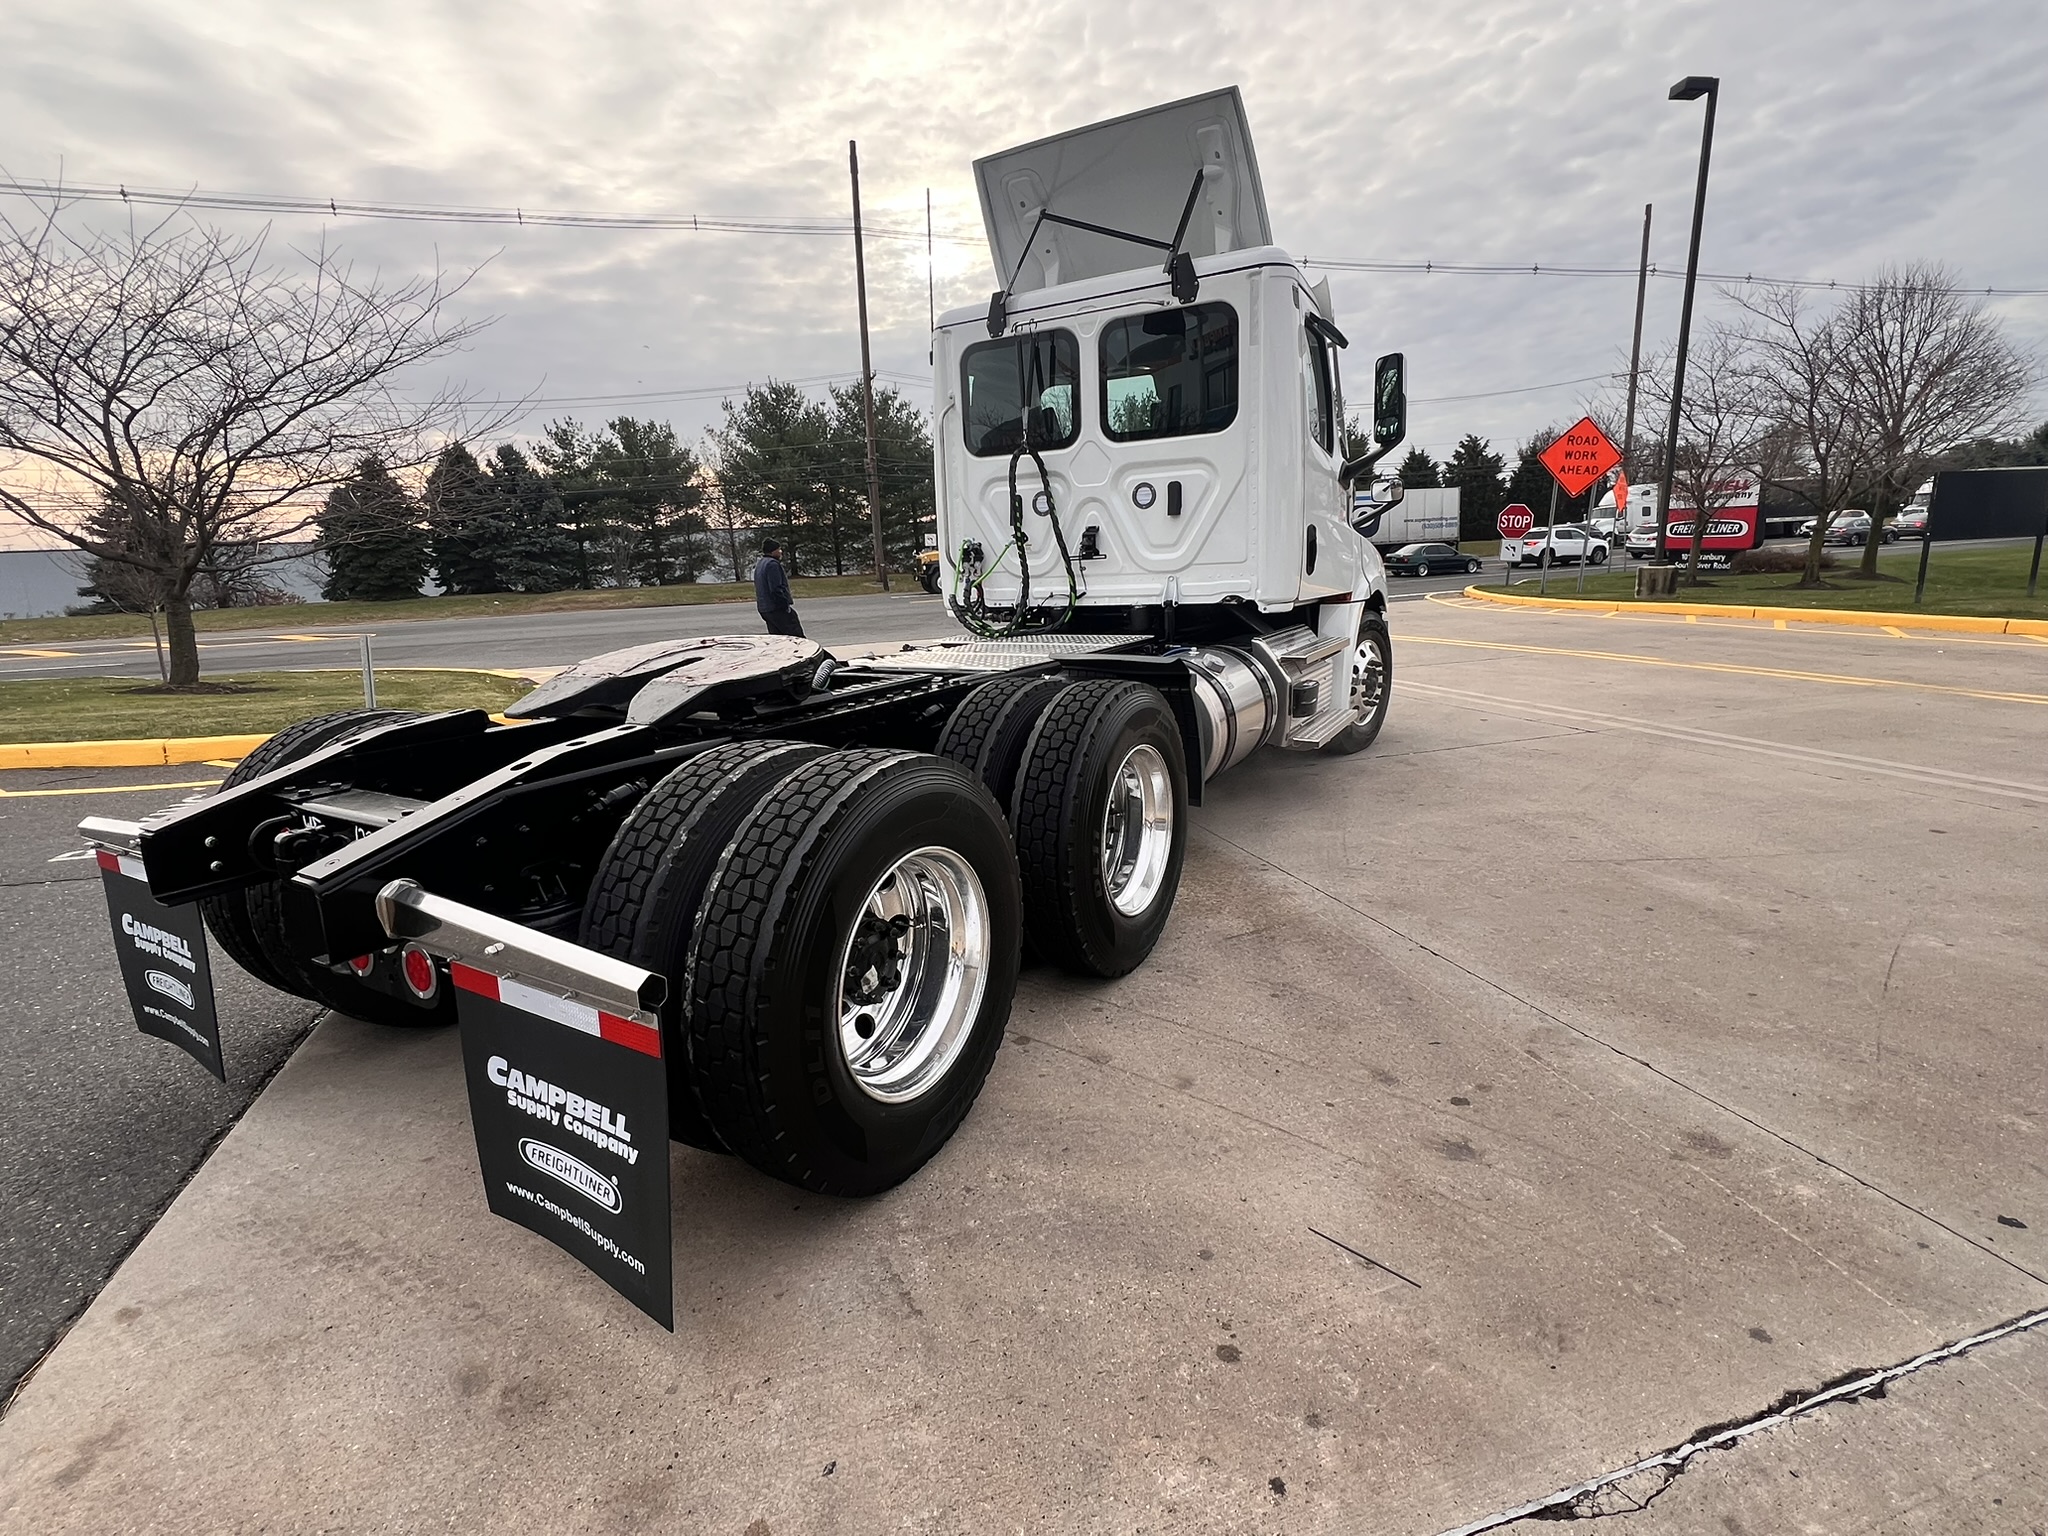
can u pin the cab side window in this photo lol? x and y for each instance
(1319, 397)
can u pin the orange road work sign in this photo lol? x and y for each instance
(1580, 457)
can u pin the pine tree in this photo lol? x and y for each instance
(372, 536)
(903, 472)
(773, 454)
(1419, 471)
(654, 500)
(465, 535)
(535, 552)
(1475, 469)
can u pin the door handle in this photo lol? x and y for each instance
(1173, 498)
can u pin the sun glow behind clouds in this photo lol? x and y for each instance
(1474, 130)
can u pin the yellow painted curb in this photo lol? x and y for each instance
(161, 753)
(1866, 618)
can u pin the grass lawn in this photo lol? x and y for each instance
(122, 708)
(1990, 583)
(290, 616)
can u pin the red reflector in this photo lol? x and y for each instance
(630, 1033)
(420, 975)
(108, 860)
(362, 963)
(470, 979)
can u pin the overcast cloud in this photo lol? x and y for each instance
(1460, 130)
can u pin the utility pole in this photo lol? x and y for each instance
(1635, 354)
(867, 370)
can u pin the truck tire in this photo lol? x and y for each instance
(643, 900)
(1100, 814)
(853, 967)
(227, 915)
(990, 728)
(1372, 687)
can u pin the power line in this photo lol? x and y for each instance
(445, 213)
(458, 213)
(1538, 269)
(1526, 389)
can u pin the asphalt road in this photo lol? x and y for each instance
(107, 1123)
(1648, 1025)
(521, 640)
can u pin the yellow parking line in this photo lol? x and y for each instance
(1779, 624)
(1838, 679)
(105, 789)
(1894, 631)
(27, 651)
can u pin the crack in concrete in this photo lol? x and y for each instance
(1590, 1500)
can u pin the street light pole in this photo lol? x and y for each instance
(1691, 88)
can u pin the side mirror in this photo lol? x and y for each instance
(1390, 400)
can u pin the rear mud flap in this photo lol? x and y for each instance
(162, 951)
(570, 1107)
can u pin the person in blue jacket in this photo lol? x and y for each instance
(771, 591)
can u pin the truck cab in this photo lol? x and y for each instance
(1131, 443)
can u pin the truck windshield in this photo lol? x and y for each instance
(1170, 373)
(1020, 383)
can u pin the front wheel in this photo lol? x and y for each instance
(1100, 815)
(1372, 686)
(1471, 567)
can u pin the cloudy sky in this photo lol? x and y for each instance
(1518, 131)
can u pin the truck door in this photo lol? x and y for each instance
(1329, 553)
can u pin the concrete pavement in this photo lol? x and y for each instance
(1648, 1025)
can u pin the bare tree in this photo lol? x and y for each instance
(1816, 448)
(1927, 368)
(1721, 428)
(175, 372)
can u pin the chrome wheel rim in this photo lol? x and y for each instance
(1368, 681)
(911, 974)
(1137, 830)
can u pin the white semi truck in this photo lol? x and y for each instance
(769, 900)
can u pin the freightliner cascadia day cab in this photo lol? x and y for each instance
(765, 900)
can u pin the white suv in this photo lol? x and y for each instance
(1565, 542)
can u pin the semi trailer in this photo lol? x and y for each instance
(767, 900)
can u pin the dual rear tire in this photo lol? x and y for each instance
(841, 930)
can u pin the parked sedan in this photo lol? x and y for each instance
(1566, 542)
(1421, 559)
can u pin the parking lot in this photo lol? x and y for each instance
(1647, 1027)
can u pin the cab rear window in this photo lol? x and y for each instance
(1170, 373)
(1021, 388)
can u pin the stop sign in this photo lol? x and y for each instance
(1516, 520)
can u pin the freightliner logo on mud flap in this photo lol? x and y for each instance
(572, 1171)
